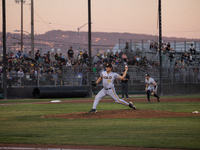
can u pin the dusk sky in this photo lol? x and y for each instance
(180, 18)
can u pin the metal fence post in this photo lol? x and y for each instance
(185, 46)
(63, 74)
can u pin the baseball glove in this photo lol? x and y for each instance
(152, 93)
(93, 84)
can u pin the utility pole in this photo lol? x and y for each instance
(32, 30)
(21, 26)
(89, 45)
(160, 44)
(4, 49)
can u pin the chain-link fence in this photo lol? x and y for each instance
(79, 76)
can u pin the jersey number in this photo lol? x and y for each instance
(108, 81)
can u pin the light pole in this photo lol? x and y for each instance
(78, 35)
(22, 2)
(31, 39)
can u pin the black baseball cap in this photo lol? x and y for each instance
(109, 65)
(147, 75)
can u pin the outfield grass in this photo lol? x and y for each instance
(22, 124)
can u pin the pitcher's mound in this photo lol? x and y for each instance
(123, 113)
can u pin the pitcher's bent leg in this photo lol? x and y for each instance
(98, 97)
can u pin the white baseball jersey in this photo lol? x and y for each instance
(108, 79)
(150, 83)
(108, 89)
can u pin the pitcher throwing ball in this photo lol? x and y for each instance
(108, 87)
(151, 87)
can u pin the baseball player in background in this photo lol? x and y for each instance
(108, 87)
(151, 87)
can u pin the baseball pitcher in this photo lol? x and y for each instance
(108, 78)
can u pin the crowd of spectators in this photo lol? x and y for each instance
(49, 67)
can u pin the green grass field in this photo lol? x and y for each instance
(22, 124)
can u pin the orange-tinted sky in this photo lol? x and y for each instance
(180, 18)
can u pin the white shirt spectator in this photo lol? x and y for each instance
(20, 73)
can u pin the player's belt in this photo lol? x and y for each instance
(108, 89)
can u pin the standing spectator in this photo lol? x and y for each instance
(127, 46)
(70, 53)
(38, 52)
(85, 56)
(124, 85)
(37, 56)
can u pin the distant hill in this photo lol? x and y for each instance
(58, 40)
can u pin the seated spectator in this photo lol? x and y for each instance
(186, 58)
(124, 57)
(156, 46)
(49, 78)
(96, 59)
(144, 61)
(29, 54)
(196, 69)
(56, 56)
(80, 55)
(32, 78)
(117, 55)
(20, 75)
(192, 49)
(151, 47)
(171, 56)
(52, 58)
(104, 55)
(9, 78)
(13, 73)
(130, 62)
(135, 62)
(68, 64)
(18, 54)
(116, 62)
(111, 57)
(191, 60)
(60, 78)
(41, 60)
(176, 73)
(169, 48)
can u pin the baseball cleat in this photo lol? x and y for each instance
(92, 111)
(148, 101)
(131, 105)
(158, 99)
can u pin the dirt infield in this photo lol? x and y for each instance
(124, 113)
